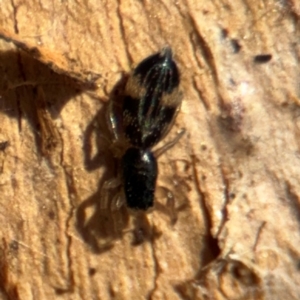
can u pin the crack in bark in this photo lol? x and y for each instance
(156, 269)
(227, 200)
(16, 28)
(205, 51)
(122, 30)
(259, 231)
(212, 242)
(200, 95)
(18, 102)
(71, 193)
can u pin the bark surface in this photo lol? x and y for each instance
(234, 175)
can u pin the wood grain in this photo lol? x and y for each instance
(235, 174)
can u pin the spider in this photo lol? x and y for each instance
(150, 104)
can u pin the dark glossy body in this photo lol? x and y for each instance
(151, 102)
(139, 173)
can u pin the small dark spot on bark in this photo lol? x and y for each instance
(262, 58)
(92, 271)
(3, 145)
(232, 195)
(35, 52)
(235, 45)
(51, 215)
(14, 246)
(224, 33)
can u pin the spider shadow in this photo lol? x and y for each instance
(104, 226)
(101, 228)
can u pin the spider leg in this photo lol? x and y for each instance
(158, 152)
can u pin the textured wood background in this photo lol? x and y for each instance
(235, 174)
